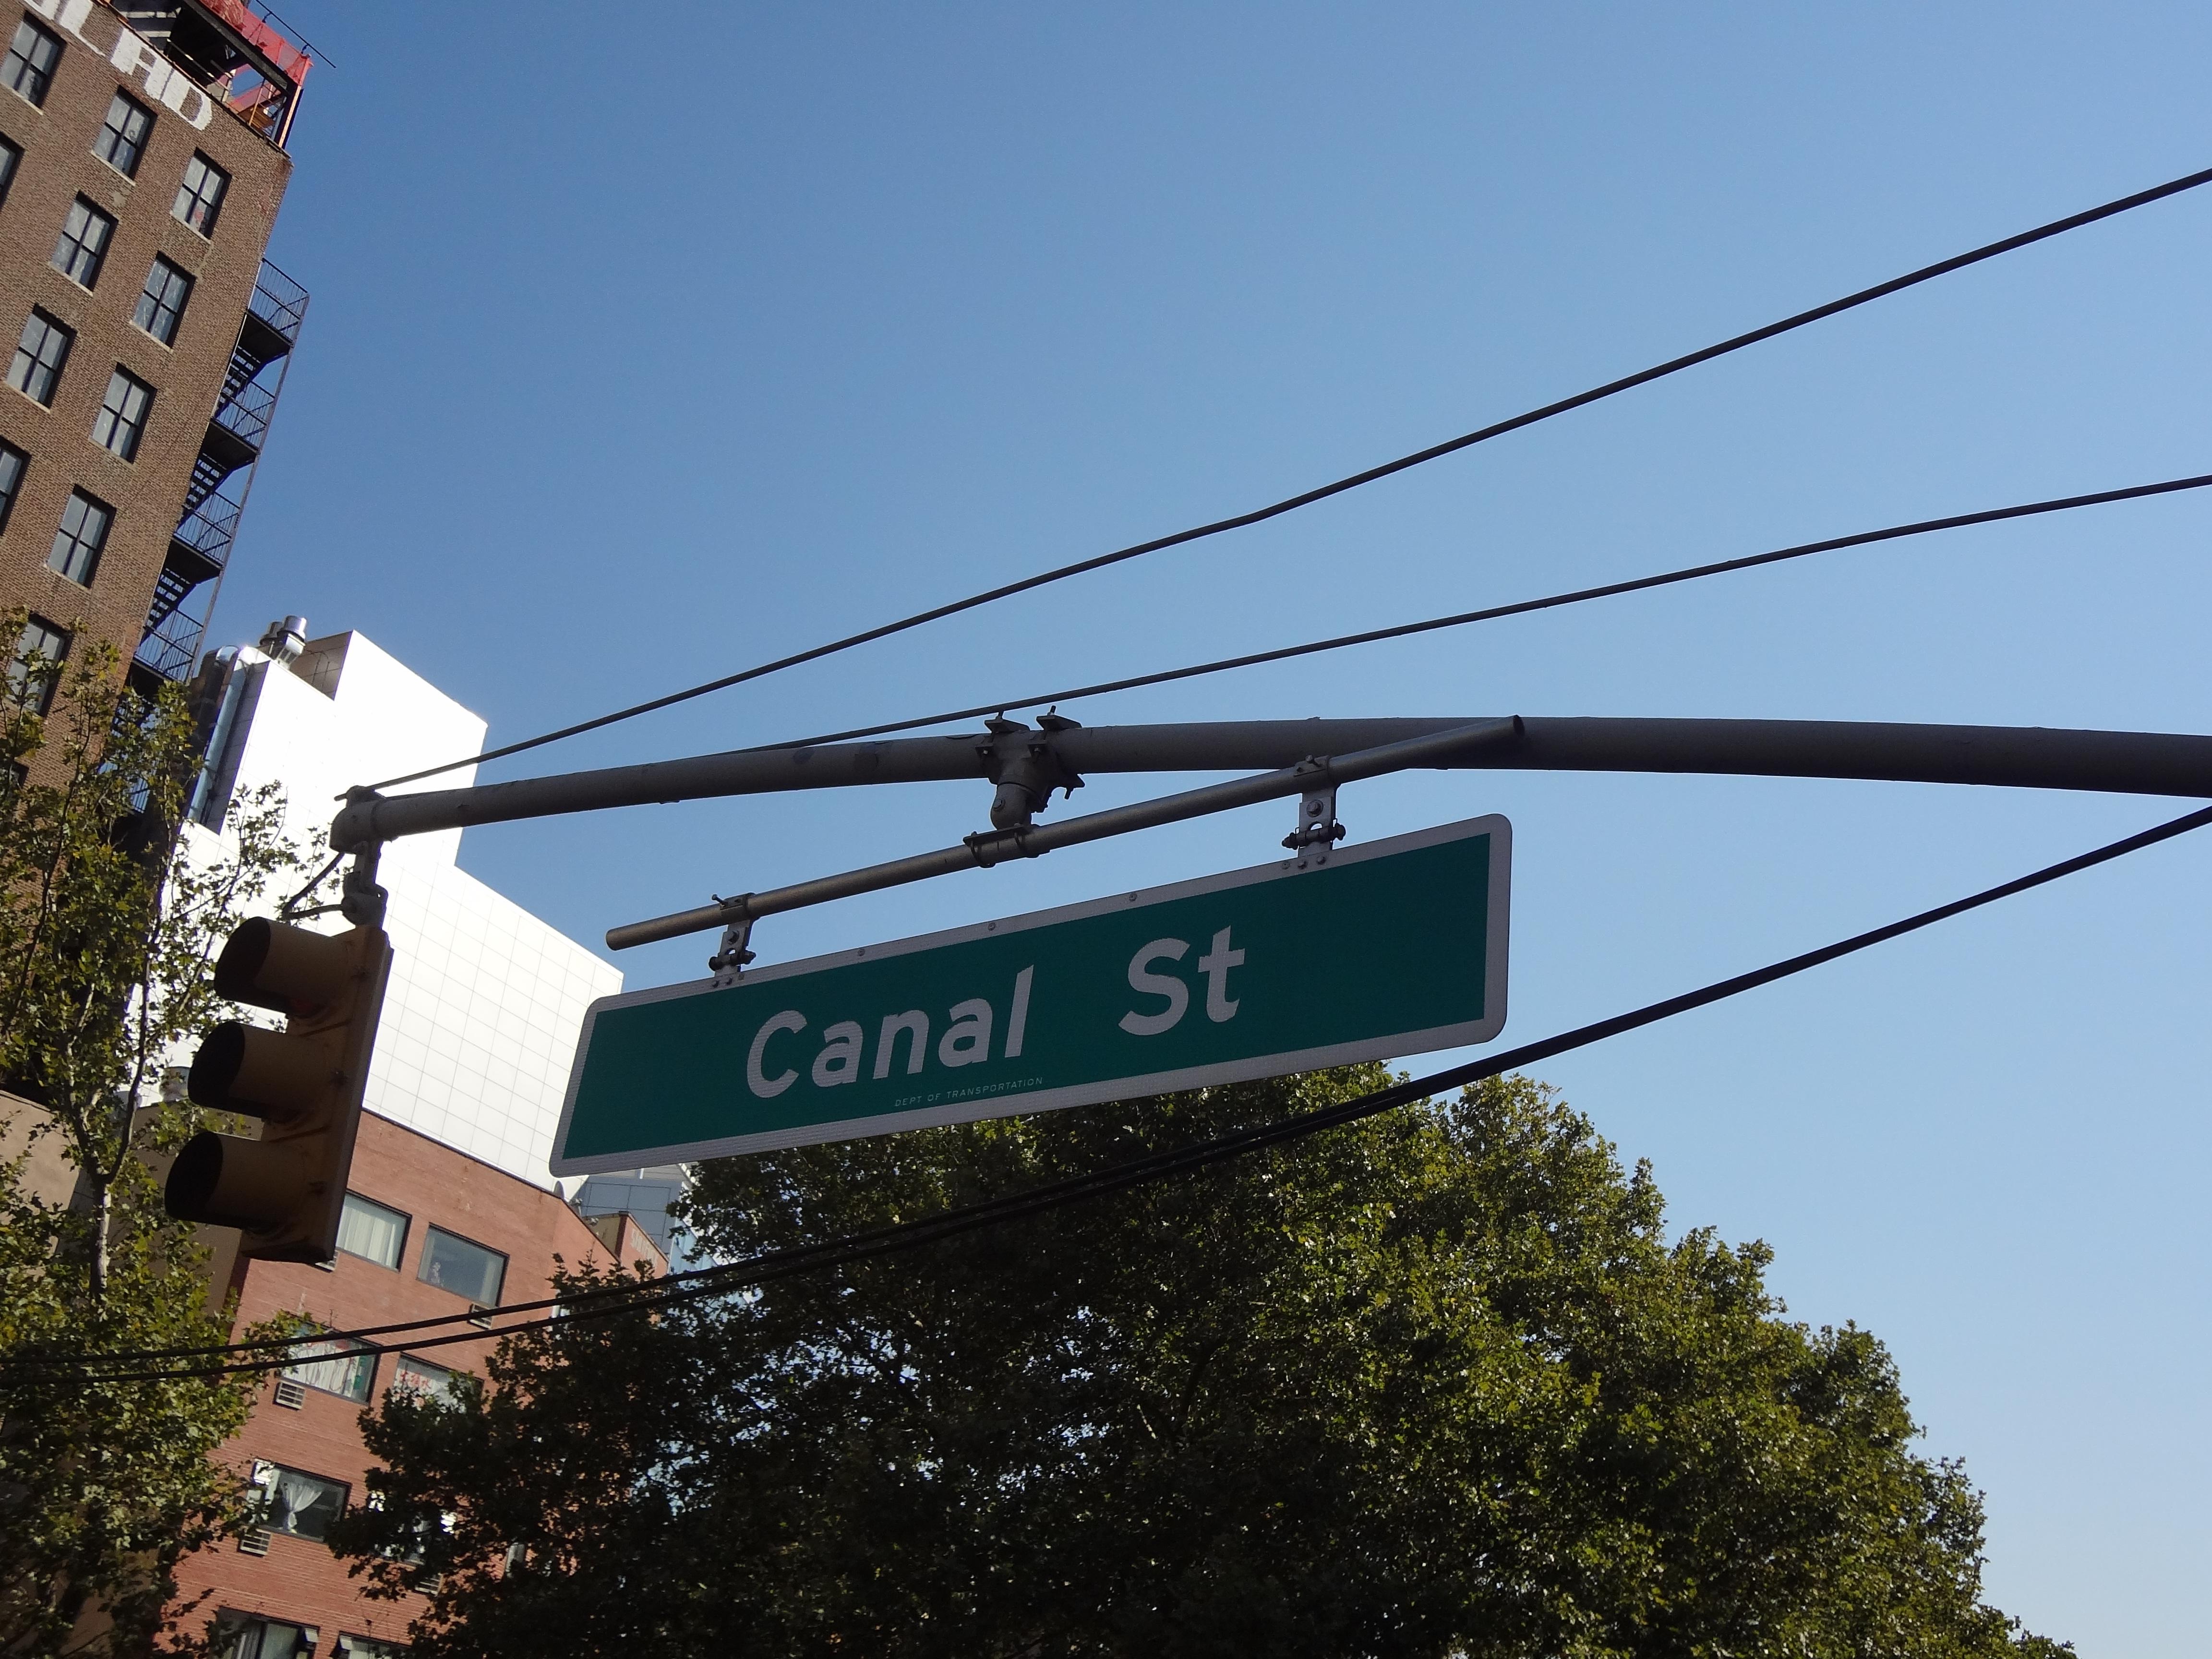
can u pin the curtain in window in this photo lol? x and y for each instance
(371, 1230)
(302, 1505)
(344, 1371)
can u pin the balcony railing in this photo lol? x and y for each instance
(279, 302)
(209, 529)
(248, 412)
(170, 646)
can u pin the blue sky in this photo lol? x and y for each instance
(650, 341)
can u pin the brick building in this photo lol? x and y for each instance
(451, 1202)
(428, 1232)
(142, 164)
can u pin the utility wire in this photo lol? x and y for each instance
(1461, 619)
(1291, 504)
(1896, 532)
(772, 1265)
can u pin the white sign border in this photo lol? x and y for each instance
(1394, 1046)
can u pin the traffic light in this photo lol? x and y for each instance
(305, 1084)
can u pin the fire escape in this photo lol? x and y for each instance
(222, 474)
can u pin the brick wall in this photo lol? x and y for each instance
(58, 166)
(299, 1581)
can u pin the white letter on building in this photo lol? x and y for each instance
(915, 1024)
(1215, 965)
(840, 1059)
(768, 1087)
(71, 14)
(163, 83)
(967, 1039)
(1157, 985)
(135, 57)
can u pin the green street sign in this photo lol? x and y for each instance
(1392, 948)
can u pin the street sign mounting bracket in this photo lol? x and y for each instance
(1317, 829)
(729, 961)
(1025, 769)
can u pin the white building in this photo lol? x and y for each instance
(481, 1019)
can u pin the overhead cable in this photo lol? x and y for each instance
(754, 1272)
(1462, 618)
(1307, 498)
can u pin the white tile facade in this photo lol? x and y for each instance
(480, 1018)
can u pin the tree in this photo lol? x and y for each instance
(107, 926)
(1433, 1384)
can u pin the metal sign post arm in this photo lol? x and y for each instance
(1450, 747)
(2034, 758)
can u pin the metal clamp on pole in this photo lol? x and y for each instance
(1025, 769)
(730, 959)
(1318, 829)
(992, 847)
(361, 902)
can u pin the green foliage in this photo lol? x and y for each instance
(1432, 1384)
(107, 928)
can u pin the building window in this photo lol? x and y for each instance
(451, 1262)
(362, 1647)
(121, 421)
(36, 668)
(161, 301)
(14, 463)
(32, 56)
(296, 1502)
(200, 198)
(9, 155)
(267, 1639)
(122, 140)
(83, 537)
(368, 1230)
(83, 243)
(429, 1382)
(40, 356)
(335, 1368)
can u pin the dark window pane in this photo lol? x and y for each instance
(31, 55)
(122, 140)
(162, 302)
(121, 421)
(464, 1268)
(40, 356)
(9, 156)
(83, 243)
(200, 198)
(368, 1230)
(35, 669)
(82, 535)
(295, 1502)
(13, 465)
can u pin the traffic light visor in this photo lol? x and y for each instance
(271, 965)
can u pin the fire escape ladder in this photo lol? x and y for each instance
(169, 592)
(237, 428)
(210, 470)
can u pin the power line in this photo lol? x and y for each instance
(1307, 498)
(1461, 619)
(768, 1268)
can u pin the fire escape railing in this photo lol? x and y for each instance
(221, 478)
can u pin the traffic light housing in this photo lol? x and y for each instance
(284, 1191)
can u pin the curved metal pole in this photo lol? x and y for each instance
(2030, 757)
